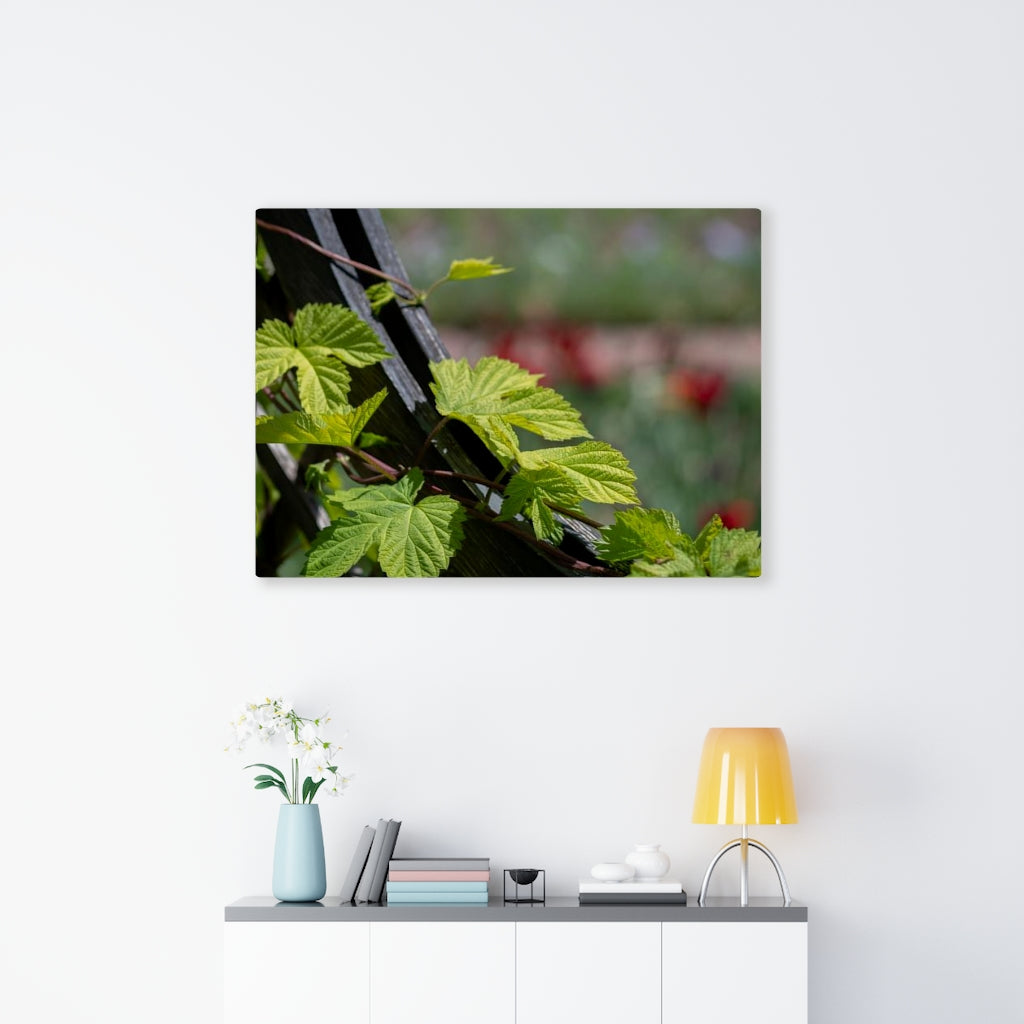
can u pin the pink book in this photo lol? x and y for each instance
(439, 876)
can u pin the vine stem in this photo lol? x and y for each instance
(438, 426)
(389, 472)
(338, 257)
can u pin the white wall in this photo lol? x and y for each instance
(885, 150)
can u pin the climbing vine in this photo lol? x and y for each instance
(409, 518)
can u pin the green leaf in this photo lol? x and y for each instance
(411, 538)
(685, 561)
(321, 341)
(339, 329)
(266, 785)
(530, 492)
(598, 471)
(269, 767)
(340, 428)
(735, 553)
(496, 396)
(264, 265)
(649, 533)
(318, 477)
(379, 295)
(709, 531)
(466, 270)
(275, 351)
(307, 785)
(313, 791)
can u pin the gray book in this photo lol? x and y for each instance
(600, 898)
(363, 889)
(355, 869)
(380, 871)
(441, 864)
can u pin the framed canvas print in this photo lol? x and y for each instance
(508, 392)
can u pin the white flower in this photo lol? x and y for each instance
(316, 764)
(336, 783)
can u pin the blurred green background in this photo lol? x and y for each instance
(648, 321)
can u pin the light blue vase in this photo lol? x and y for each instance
(300, 872)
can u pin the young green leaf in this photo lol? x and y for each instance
(709, 531)
(685, 561)
(318, 477)
(411, 538)
(496, 396)
(339, 329)
(379, 295)
(735, 553)
(597, 470)
(466, 270)
(264, 265)
(319, 344)
(530, 492)
(341, 427)
(266, 785)
(649, 533)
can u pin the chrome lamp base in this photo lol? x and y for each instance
(744, 843)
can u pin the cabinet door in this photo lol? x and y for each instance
(442, 972)
(726, 972)
(601, 972)
(268, 965)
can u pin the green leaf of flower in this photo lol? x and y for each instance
(495, 396)
(685, 561)
(341, 427)
(735, 553)
(411, 538)
(269, 767)
(649, 533)
(530, 492)
(321, 341)
(598, 471)
(379, 295)
(465, 270)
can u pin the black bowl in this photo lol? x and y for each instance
(523, 876)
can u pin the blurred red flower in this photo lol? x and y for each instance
(699, 389)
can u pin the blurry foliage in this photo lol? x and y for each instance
(691, 432)
(593, 266)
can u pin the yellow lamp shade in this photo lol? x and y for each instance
(744, 779)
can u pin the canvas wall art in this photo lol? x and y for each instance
(508, 392)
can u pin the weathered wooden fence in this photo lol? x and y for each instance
(407, 416)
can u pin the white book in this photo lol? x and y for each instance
(662, 885)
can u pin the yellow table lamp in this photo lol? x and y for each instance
(744, 779)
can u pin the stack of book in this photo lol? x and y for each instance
(448, 880)
(665, 890)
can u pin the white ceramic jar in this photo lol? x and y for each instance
(650, 861)
(607, 872)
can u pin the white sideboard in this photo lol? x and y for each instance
(560, 962)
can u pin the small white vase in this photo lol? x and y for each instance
(650, 861)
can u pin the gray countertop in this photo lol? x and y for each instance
(557, 908)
